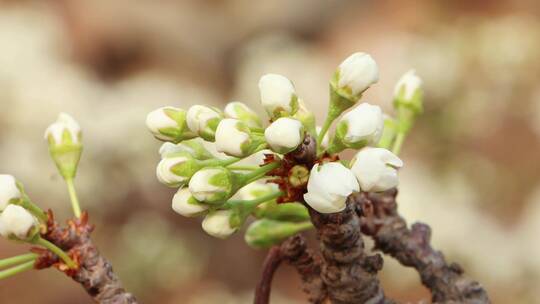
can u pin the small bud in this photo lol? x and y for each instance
(176, 169)
(353, 76)
(185, 204)
(194, 146)
(240, 111)
(376, 169)
(65, 147)
(265, 233)
(278, 96)
(234, 138)
(217, 224)
(9, 191)
(255, 190)
(203, 121)
(408, 92)
(326, 139)
(17, 222)
(212, 185)
(290, 212)
(168, 124)
(284, 135)
(358, 128)
(329, 186)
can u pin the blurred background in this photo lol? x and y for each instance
(472, 162)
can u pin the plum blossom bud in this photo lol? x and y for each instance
(240, 111)
(234, 138)
(212, 185)
(64, 138)
(176, 169)
(169, 124)
(203, 121)
(195, 147)
(265, 233)
(185, 204)
(217, 224)
(278, 95)
(284, 135)
(408, 92)
(376, 169)
(358, 128)
(8, 190)
(15, 221)
(329, 186)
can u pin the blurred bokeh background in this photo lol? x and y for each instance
(472, 162)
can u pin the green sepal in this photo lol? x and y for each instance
(291, 212)
(265, 233)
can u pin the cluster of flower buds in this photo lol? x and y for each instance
(16, 222)
(215, 186)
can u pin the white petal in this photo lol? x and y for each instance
(200, 186)
(63, 123)
(17, 221)
(276, 92)
(410, 81)
(229, 139)
(358, 72)
(365, 122)
(182, 205)
(284, 135)
(217, 224)
(8, 190)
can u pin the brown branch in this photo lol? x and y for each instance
(412, 248)
(270, 265)
(94, 272)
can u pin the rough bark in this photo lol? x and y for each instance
(94, 273)
(412, 248)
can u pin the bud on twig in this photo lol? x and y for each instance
(217, 224)
(234, 138)
(203, 121)
(17, 222)
(278, 96)
(65, 147)
(185, 204)
(240, 111)
(9, 191)
(169, 124)
(284, 135)
(194, 146)
(212, 185)
(265, 233)
(376, 169)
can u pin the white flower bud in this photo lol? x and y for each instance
(195, 147)
(8, 190)
(64, 131)
(361, 126)
(176, 170)
(278, 95)
(217, 224)
(211, 185)
(329, 186)
(376, 169)
(326, 139)
(18, 222)
(185, 204)
(169, 124)
(284, 135)
(203, 121)
(357, 73)
(233, 138)
(408, 91)
(240, 111)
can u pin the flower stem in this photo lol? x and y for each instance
(398, 143)
(17, 260)
(257, 201)
(56, 250)
(243, 168)
(260, 172)
(73, 197)
(15, 270)
(33, 208)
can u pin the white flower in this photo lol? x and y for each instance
(175, 170)
(409, 83)
(240, 111)
(278, 95)
(185, 204)
(203, 121)
(8, 190)
(64, 125)
(376, 169)
(233, 137)
(358, 72)
(16, 221)
(217, 224)
(329, 186)
(326, 139)
(361, 126)
(168, 123)
(211, 185)
(284, 135)
(195, 147)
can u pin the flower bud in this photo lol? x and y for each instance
(203, 121)
(376, 169)
(234, 138)
(353, 76)
(169, 124)
(185, 204)
(265, 233)
(65, 147)
(240, 111)
(176, 169)
(217, 224)
(194, 146)
(408, 92)
(284, 135)
(17, 222)
(9, 191)
(329, 186)
(358, 128)
(212, 185)
(278, 96)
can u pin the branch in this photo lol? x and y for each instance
(412, 248)
(95, 273)
(270, 265)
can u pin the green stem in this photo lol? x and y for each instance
(243, 168)
(15, 270)
(17, 260)
(260, 172)
(56, 250)
(73, 197)
(257, 201)
(398, 143)
(34, 209)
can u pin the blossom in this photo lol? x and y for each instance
(284, 135)
(217, 224)
(361, 126)
(278, 95)
(203, 121)
(8, 190)
(211, 185)
(168, 124)
(176, 169)
(195, 147)
(376, 169)
(185, 204)
(240, 111)
(17, 221)
(234, 138)
(329, 186)
(357, 73)
(408, 91)
(64, 138)
(64, 130)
